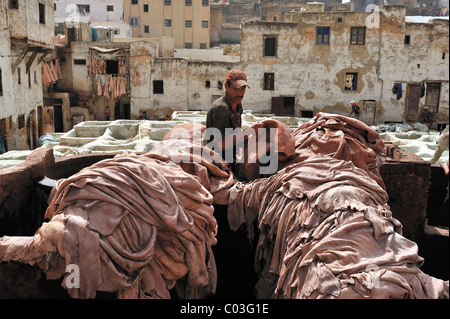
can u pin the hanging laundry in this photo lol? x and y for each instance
(46, 80)
(105, 87)
(58, 69)
(99, 86)
(137, 77)
(123, 86)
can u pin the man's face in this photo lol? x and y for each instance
(234, 95)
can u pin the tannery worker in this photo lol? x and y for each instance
(223, 120)
(355, 109)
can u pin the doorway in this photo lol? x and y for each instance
(283, 105)
(433, 95)
(412, 101)
(368, 112)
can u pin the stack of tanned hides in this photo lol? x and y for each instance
(326, 230)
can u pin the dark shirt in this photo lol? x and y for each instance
(222, 116)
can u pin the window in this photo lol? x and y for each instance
(219, 85)
(35, 77)
(84, 9)
(145, 7)
(1, 84)
(134, 1)
(79, 62)
(407, 39)
(116, 31)
(269, 81)
(41, 13)
(167, 23)
(29, 79)
(358, 35)
(14, 4)
(187, 3)
(188, 23)
(134, 21)
(205, 3)
(202, 45)
(146, 29)
(158, 87)
(188, 45)
(109, 8)
(21, 121)
(112, 67)
(208, 84)
(351, 81)
(19, 77)
(167, 2)
(270, 46)
(323, 35)
(204, 24)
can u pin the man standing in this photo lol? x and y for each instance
(355, 109)
(224, 115)
(107, 114)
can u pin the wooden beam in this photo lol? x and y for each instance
(44, 54)
(20, 58)
(31, 60)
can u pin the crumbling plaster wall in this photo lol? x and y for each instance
(25, 21)
(315, 74)
(310, 72)
(22, 90)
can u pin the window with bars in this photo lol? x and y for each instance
(109, 8)
(145, 7)
(204, 24)
(358, 35)
(84, 8)
(205, 3)
(167, 23)
(188, 3)
(188, 23)
(158, 87)
(134, 21)
(323, 35)
(269, 81)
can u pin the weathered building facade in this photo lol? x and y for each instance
(319, 63)
(26, 31)
(327, 59)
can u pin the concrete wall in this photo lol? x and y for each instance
(178, 13)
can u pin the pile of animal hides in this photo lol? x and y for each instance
(143, 225)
